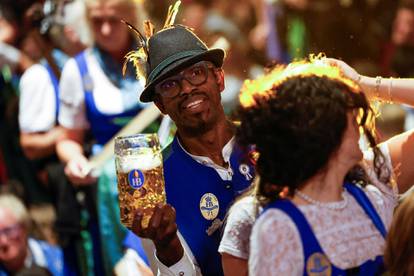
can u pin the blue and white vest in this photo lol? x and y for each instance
(316, 261)
(201, 199)
(103, 126)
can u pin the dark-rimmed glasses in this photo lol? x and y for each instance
(196, 75)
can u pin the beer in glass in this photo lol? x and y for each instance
(139, 169)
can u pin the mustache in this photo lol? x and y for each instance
(192, 94)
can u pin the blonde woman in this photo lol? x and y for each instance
(97, 99)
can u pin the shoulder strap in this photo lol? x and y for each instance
(55, 83)
(367, 206)
(83, 70)
(309, 242)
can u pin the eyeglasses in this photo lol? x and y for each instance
(196, 75)
(11, 232)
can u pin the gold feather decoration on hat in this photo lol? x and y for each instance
(148, 29)
(139, 57)
(172, 13)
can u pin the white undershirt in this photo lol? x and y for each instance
(224, 173)
(37, 103)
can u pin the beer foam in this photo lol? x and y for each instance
(144, 161)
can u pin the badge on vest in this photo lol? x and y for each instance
(209, 206)
(318, 265)
(245, 170)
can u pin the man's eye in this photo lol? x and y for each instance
(169, 84)
(196, 71)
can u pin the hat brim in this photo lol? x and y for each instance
(216, 56)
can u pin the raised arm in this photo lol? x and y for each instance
(401, 148)
(396, 90)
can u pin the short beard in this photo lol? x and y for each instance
(198, 130)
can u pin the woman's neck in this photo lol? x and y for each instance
(326, 186)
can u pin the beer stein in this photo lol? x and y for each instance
(139, 170)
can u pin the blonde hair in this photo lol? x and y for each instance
(16, 207)
(134, 7)
(399, 251)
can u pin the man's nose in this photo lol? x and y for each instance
(106, 28)
(186, 87)
(3, 239)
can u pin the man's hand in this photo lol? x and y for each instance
(162, 230)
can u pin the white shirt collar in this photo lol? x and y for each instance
(225, 173)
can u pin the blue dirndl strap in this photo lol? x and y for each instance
(83, 70)
(367, 206)
(311, 245)
(309, 242)
(55, 83)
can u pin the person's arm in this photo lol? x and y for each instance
(169, 252)
(401, 149)
(233, 266)
(40, 144)
(37, 113)
(70, 151)
(73, 119)
(234, 245)
(394, 90)
(162, 230)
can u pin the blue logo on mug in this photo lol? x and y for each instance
(136, 179)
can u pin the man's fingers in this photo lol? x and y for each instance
(137, 226)
(168, 227)
(156, 218)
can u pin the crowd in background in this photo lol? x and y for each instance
(47, 133)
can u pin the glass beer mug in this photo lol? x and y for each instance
(139, 170)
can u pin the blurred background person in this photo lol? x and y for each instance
(52, 29)
(398, 59)
(16, 168)
(399, 250)
(96, 101)
(17, 250)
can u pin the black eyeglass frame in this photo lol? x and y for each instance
(182, 76)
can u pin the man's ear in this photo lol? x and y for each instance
(159, 104)
(219, 75)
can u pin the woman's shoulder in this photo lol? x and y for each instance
(275, 245)
(275, 220)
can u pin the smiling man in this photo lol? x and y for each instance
(203, 167)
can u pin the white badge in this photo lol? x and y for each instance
(245, 170)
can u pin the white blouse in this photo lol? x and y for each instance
(348, 237)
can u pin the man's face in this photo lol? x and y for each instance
(13, 239)
(196, 107)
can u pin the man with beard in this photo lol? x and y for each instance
(204, 169)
